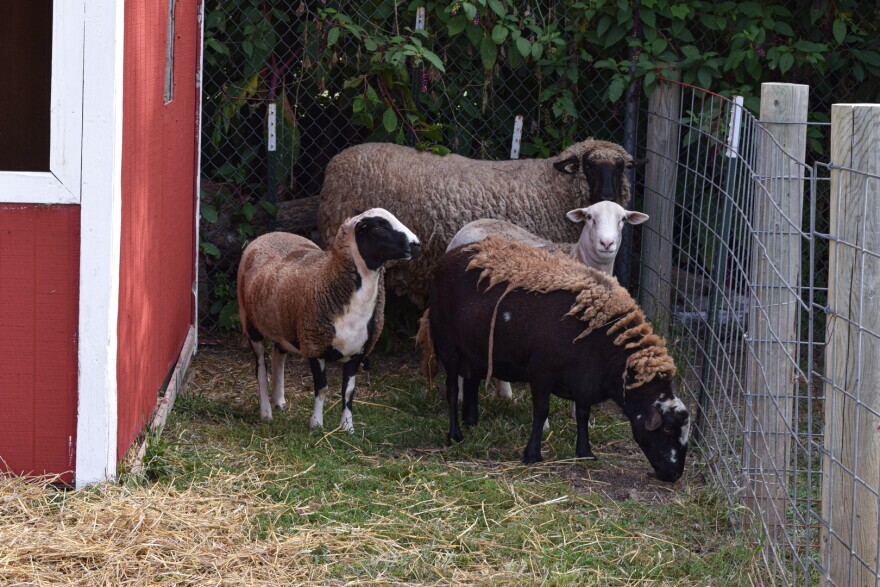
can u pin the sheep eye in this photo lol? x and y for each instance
(589, 216)
(667, 429)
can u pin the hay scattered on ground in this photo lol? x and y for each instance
(206, 534)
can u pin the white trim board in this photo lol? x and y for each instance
(61, 184)
(100, 229)
(180, 378)
(200, 72)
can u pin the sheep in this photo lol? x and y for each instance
(438, 195)
(566, 329)
(324, 305)
(597, 246)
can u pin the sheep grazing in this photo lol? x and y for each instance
(566, 329)
(438, 195)
(324, 305)
(597, 247)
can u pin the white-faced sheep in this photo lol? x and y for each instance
(436, 196)
(324, 305)
(566, 329)
(597, 246)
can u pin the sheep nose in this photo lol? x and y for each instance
(414, 250)
(606, 244)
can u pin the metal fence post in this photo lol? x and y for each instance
(851, 465)
(664, 111)
(774, 306)
(623, 263)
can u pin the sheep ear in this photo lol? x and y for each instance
(638, 162)
(576, 215)
(569, 166)
(655, 419)
(636, 217)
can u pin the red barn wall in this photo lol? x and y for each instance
(158, 207)
(39, 313)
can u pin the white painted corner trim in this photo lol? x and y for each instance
(101, 222)
(61, 183)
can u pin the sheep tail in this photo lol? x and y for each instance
(426, 345)
(509, 289)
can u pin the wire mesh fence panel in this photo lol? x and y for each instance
(766, 299)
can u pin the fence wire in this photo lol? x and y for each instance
(762, 279)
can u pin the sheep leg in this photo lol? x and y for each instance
(262, 379)
(278, 358)
(583, 432)
(540, 411)
(503, 389)
(320, 380)
(349, 371)
(452, 389)
(470, 406)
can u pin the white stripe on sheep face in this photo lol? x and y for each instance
(676, 405)
(374, 237)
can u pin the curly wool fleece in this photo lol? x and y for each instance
(599, 300)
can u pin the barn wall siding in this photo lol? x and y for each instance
(39, 305)
(158, 204)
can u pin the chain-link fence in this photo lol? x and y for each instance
(316, 78)
(765, 297)
(289, 85)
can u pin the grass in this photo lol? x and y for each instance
(466, 513)
(229, 499)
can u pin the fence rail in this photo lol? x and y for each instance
(762, 271)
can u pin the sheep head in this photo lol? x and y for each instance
(599, 170)
(661, 427)
(377, 236)
(601, 235)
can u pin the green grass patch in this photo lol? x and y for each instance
(403, 507)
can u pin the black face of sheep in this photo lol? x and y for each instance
(661, 428)
(603, 176)
(382, 237)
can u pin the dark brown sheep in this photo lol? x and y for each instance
(566, 329)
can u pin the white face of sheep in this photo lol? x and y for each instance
(603, 226)
(381, 237)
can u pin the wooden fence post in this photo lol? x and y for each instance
(852, 351)
(775, 304)
(661, 178)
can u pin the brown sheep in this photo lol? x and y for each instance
(324, 305)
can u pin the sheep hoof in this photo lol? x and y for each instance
(531, 459)
(281, 407)
(266, 416)
(347, 425)
(457, 437)
(588, 456)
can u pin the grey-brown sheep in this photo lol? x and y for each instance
(436, 196)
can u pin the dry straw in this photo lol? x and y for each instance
(213, 533)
